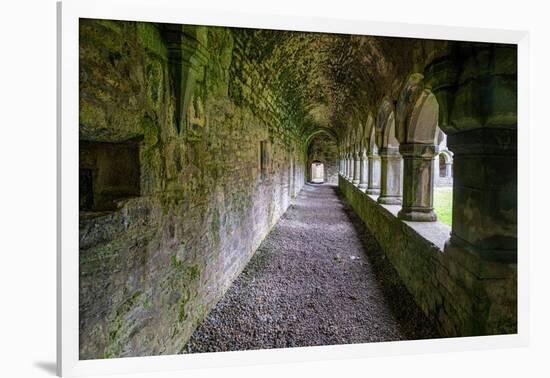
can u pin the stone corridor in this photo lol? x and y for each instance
(196, 147)
(317, 279)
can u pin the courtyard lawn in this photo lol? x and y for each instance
(443, 204)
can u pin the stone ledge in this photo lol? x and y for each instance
(435, 233)
(451, 287)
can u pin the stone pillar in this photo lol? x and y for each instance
(346, 165)
(435, 170)
(390, 180)
(363, 166)
(356, 168)
(350, 166)
(374, 174)
(418, 182)
(485, 193)
(343, 164)
(448, 170)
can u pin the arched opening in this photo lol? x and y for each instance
(322, 158)
(317, 172)
(230, 124)
(445, 168)
(417, 113)
(443, 181)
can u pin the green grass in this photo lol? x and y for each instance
(443, 204)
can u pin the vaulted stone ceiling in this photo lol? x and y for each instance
(310, 81)
(332, 80)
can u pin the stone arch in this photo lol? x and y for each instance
(322, 146)
(373, 170)
(373, 148)
(447, 156)
(368, 127)
(385, 126)
(417, 112)
(391, 164)
(444, 168)
(359, 135)
(326, 130)
(416, 129)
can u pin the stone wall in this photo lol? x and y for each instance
(217, 168)
(323, 148)
(461, 293)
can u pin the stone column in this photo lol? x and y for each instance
(374, 174)
(418, 182)
(485, 193)
(448, 170)
(356, 168)
(435, 170)
(345, 164)
(350, 166)
(363, 166)
(390, 180)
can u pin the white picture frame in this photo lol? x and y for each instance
(69, 13)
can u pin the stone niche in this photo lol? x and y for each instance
(108, 174)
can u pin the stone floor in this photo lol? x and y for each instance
(318, 278)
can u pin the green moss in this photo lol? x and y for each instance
(150, 131)
(194, 272)
(149, 37)
(182, 314)
(117, 326)
(175, 262)
(91, 115)
(146, 303)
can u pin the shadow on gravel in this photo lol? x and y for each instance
(412, 320)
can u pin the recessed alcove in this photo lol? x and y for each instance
(108, 173)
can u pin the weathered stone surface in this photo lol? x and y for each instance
(391, 181)
(462, 293)
(194, 140)
(418, 182)
(292, 294)
(374, 173)
(485, 192)
(153, 265)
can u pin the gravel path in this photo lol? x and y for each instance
(319, 278)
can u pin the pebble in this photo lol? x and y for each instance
(305, 295)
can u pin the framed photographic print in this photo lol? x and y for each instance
(284, 188)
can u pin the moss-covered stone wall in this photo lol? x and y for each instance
(460, 292)
(152, 267)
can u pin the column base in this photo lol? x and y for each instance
(387, 200)
(417, 215)
(373, 191)
(363, 186)
(493, 285)
(486, 253)
(355, 182)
